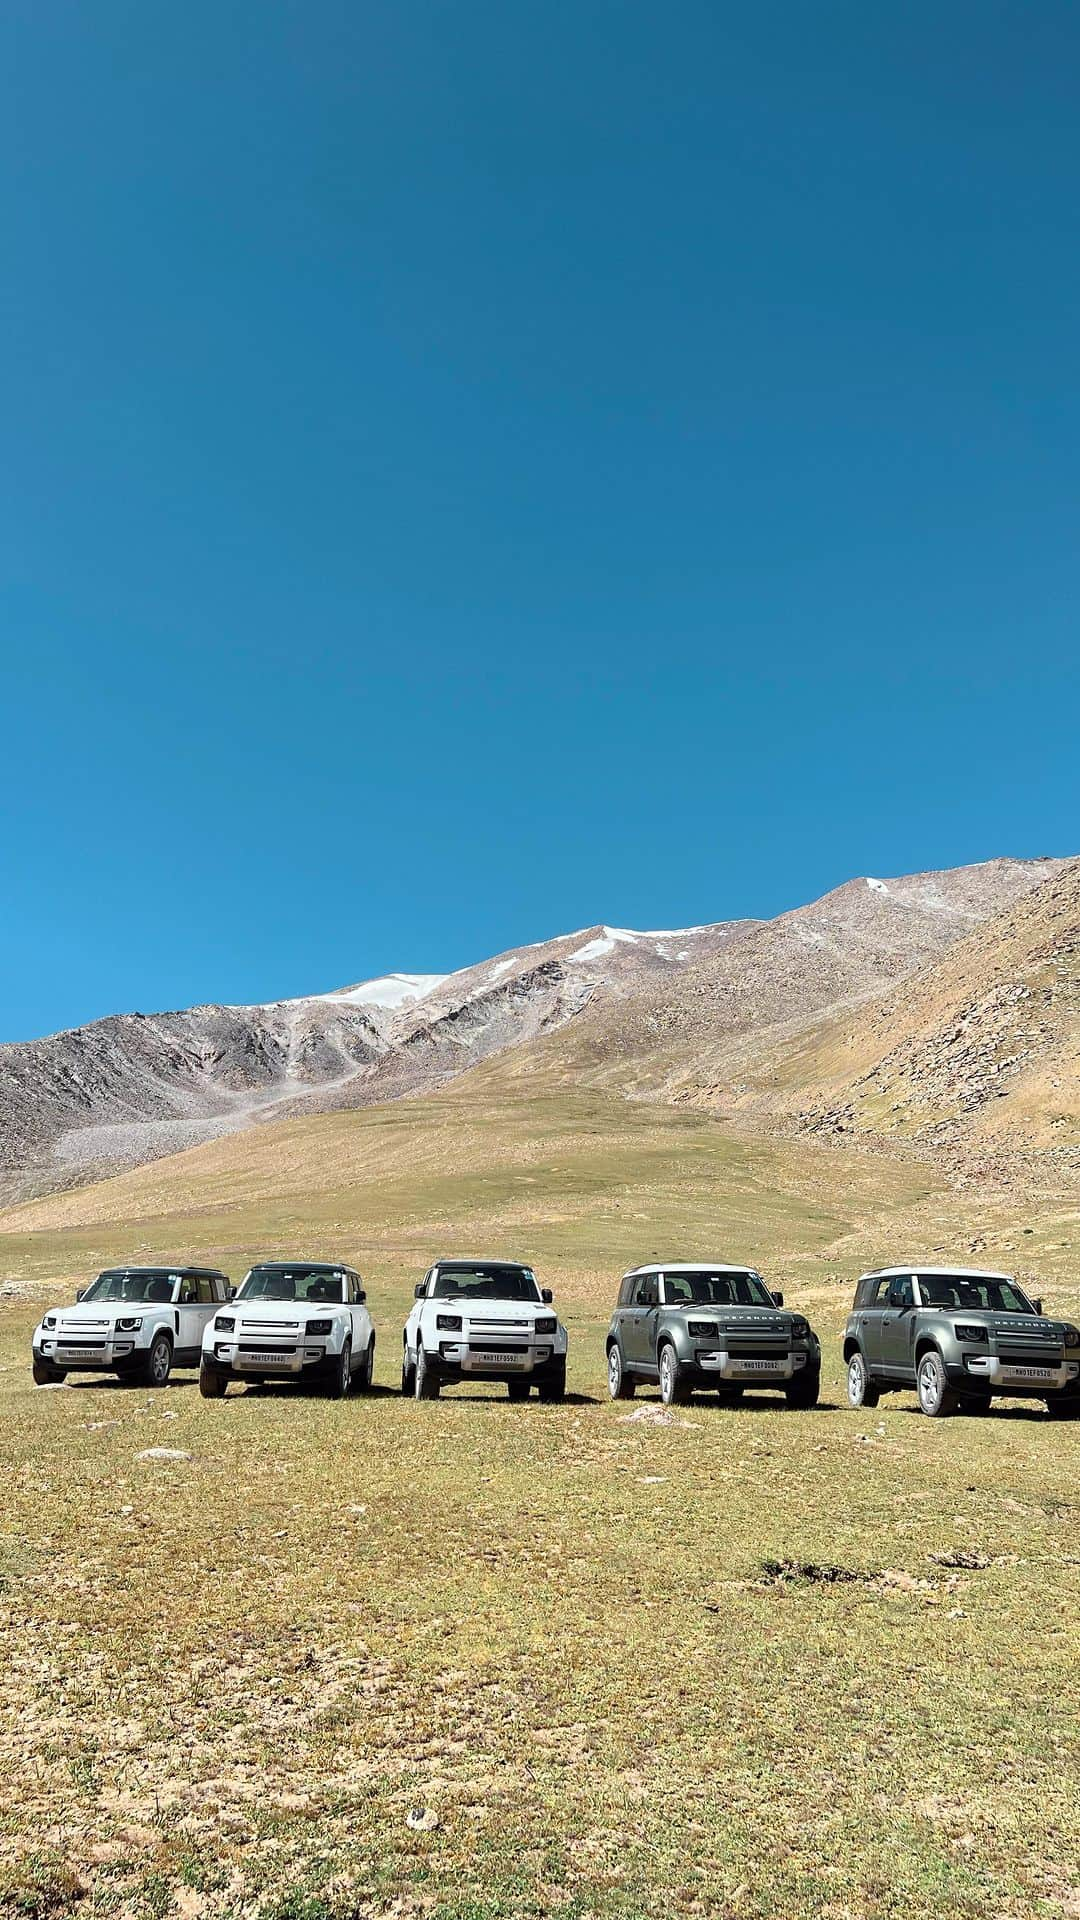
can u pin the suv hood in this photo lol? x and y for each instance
(94, 1313)
(524, 1312)
(287, 1312)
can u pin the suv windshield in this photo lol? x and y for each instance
(972, 1294)
(294, 1283)
(715, 1290)
(485, 1283)
(158, 1287)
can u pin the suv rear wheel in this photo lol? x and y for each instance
(674, 1392)
(620, 1384)
(936, 1397)
(861, 1391)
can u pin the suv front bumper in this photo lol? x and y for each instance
(110, 1356)
(747, 1371)
(457, 1360)
(1004, 1376)
(248, 1360)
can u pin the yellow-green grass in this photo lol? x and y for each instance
(228, 1681)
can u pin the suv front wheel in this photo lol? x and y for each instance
(804, 1389)
(861, 1391)
(936, 1397)
(674, 1392)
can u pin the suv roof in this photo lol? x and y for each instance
(314, 1266)
(167, 1266)
(916, 1267)
(480, 1260)
(687, 1266)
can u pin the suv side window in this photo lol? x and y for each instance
(206, 1288)
(648, 1291)
(903, 1291)
(188, 1291)
(625, 1290)
(877, 1293)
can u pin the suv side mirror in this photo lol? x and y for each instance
(895, 1296)
(778, 1298)
(79, 1294)
(230, 1292)
(1037, 1304)
(361, 1296)
(419, 1290)
(546, 1296)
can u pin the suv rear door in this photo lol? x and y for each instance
(870, 1316)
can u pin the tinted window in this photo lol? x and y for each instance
(626, 1289)
(875, 1291)
(495, 1282)
(902, 1291)
(294, 1283)
(151, 1288)
(976, 1294)
(706, 1289)
(647, 1291)
(206, 1288)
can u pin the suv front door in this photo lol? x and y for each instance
(642, 1318)
(898, 1329)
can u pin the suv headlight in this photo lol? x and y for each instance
(49, 1320)
(964, 1331)
(316, 1327)
(1072, 1335)
(800, 1327)
(547, 1323)
(703, 1329)
(224, 1323)
(448, 1322)
(129, 1326)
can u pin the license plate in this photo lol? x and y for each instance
(287, 1360)
(759, 1366)
(496, 1360)
(71, 1355)
(1030, 1373)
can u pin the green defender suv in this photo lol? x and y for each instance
(695, 1324)
(958, 1337)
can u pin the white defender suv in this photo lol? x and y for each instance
(138, 1322)
(292, 1320)
(477, 1320)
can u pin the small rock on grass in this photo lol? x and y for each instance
(422, 1819)
(163, 1453)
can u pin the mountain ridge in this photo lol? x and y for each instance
(134, 1087)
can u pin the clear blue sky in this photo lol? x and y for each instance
(472, 470)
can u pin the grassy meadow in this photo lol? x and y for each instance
(465, 1660)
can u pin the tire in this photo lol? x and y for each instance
(804, 1390)
(212, 1384)
(518, 1390)
(975, 1404)
(1065, 1407)
(158, 1363)
(674, 1392)
(339, 1384)
(861, 1391)
(936, 1398)
(45, 1374)
(362, 1384)
(426, 1383)
(408, 1375)
(552, 1387)
(620, 1384)
(729, 1396)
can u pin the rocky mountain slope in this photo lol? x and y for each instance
(681, 1015)
(983, 1045)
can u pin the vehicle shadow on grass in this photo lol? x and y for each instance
(1036, 1411)
(113, 1384)
(708, 1403)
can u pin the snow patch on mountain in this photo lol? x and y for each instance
(392, 990)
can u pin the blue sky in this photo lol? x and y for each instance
(473, 470)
